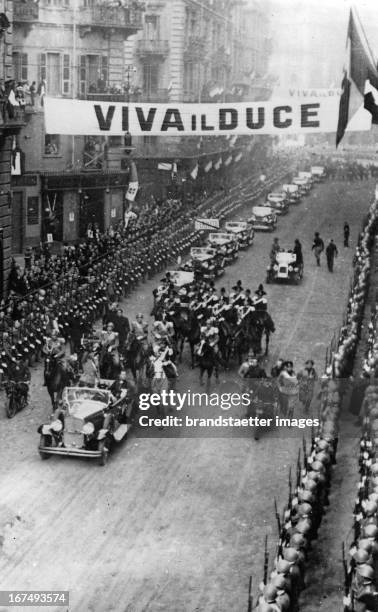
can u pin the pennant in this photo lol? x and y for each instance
(218, 164)
(194, 172)
(208, 166)
(238, 157)
(228, 160)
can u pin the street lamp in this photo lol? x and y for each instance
(129, 69)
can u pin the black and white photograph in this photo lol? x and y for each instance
(189, 305)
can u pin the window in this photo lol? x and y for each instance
(55, 69)
(151, 27)
(20, 66)
(150, 79)
(93, 74)
(52, 144)
(32, 211)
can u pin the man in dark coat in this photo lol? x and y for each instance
(331, 253)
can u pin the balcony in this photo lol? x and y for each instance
(195, 48)
(25, 12)
(12, 118)
(146, 48)
(160, 95)
(125, 19)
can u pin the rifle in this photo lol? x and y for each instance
(305, 462)
(290, 490)
(266, 560)
(250, 596)
(347, 575)
(277, 517)
(299, 469)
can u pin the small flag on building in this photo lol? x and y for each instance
(218, 164)
(233, 140)
(208, 166)
(228, 160)
(238, 157)
(194, 172)
(360, 80)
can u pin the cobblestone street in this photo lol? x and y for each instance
(177, 524)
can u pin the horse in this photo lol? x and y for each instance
(226, 340)
(186, 329)
(135, 355)
(108, 365)
(207, 361)
(57, 377)
(259, 322)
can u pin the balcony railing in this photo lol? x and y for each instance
(12, 118)
(148, 48)
(103, 16)
(25, 12)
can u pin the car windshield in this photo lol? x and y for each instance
(75, 395)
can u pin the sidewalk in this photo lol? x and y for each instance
(325, 574)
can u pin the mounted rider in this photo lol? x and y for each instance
(54, 348)
(109, 340)
(140, 328)
(259, 300)
(211, 334)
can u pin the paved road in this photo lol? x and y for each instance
(179, 523)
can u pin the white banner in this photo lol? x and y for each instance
(132, 191)
(277, 116)
(206, 224)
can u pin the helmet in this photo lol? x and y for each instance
(370, 508)
(370, 531)
(366, 571)
(323, 444)
(290, 554)
(365, 544)
(317, 466)
(374, 468)
(305, 496)
(304, 509)
(279, 581)
(298, 540)
(270, 593)
(283, 566)
(303, 526)
(361, 556)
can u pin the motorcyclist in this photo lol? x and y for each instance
(19, 372)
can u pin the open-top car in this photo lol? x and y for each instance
(284, 268)
(278, 201)
(263, 218)
(243, 231)
(89, 422)
(225, 243)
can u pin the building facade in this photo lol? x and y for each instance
(126, 51)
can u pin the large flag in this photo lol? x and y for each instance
(360, 80)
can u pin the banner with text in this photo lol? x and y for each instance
(277, 116)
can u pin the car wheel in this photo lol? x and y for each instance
(102, 447)
(11, 406)
(44, 441)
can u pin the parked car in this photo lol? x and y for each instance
(303, 184)
(278, 201)
(205, 262)
(243, 232)
(318, 173)
(90, 421)
(292, 192)
(226, 244)
(284, 268)
(263, 218)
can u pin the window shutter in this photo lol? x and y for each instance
(104, 68)
(83, 74)
(66, 81)
(42, 67)
(24, 66)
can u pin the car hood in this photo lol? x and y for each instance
(83, 409)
